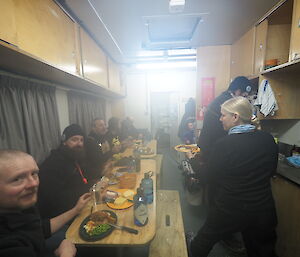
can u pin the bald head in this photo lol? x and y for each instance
(18, 180)
(8, 156)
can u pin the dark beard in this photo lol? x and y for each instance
(76, 154)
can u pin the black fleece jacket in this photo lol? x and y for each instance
(22, 234)
(240, 166)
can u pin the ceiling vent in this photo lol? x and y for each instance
(170, 31)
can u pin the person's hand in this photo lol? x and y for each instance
(190, 155)
(116, 148)
(107, 168)
(65, 249)
(82, 201)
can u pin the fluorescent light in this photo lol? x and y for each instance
(182, 52)
(150, 53)
(166, 65)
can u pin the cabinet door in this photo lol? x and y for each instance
(94, 60)
(260, 46)
(46, 32)
(295, 33)
(242, 55)
(8, 32)
(114, 76)
(287, 197)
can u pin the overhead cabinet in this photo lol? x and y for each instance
(39, 39)
(295, 33)
(8, 31)
(94, 60)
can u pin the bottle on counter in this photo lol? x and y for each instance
(140, 208)
(147, 185)
(137, 160)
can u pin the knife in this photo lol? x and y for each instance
(130, 230)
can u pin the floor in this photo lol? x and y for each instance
(193, 216)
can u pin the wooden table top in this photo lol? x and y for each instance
(125, 218)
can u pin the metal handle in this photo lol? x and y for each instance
(130, 230)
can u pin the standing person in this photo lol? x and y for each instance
(240, 166)
(189, 115)
(22, 232)
(212, 128)
(211, 131)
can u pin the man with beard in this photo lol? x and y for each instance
(22, 232)
(63, 175)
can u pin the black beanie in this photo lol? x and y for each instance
(72, 130)
(241, 83)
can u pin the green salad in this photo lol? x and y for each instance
(99, 229)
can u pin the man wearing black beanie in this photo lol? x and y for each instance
(63, 175)
(212, 130)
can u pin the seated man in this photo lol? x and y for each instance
(98, 134)
(64, 175)
(22, 233)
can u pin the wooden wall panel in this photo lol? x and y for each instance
(214, 61)
(8, 31)
(46, 32)
(94, 60)
(242, 55)
(114, 76)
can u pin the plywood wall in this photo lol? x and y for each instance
(214, 61)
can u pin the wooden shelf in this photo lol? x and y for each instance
(19, 62)
(288, 67)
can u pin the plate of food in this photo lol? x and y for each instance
(95, 226)
(123, 201)
(187, 148)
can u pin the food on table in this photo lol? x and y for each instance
(125, 161)
(117, 156)
(98, 223)
(144, 150)
(128, 193)
(128, 180)
(187, 148)
(100, 217)
(120, 201)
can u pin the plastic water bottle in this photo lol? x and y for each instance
(147, 185)
(140, 209)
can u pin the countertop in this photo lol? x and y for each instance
(288, 172)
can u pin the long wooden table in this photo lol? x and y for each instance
(120, 238)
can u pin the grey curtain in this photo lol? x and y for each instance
(84, 108)
(28, 116)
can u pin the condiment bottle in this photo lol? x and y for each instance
(140, 209)
(147, 185)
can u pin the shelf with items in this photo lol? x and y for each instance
(279, 34)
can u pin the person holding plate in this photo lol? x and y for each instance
(240, 166)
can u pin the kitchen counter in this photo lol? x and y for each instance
(289, 172)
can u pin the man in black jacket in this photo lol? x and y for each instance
(64, 175)
(22, 233)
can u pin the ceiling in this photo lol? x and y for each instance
(124, 28)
